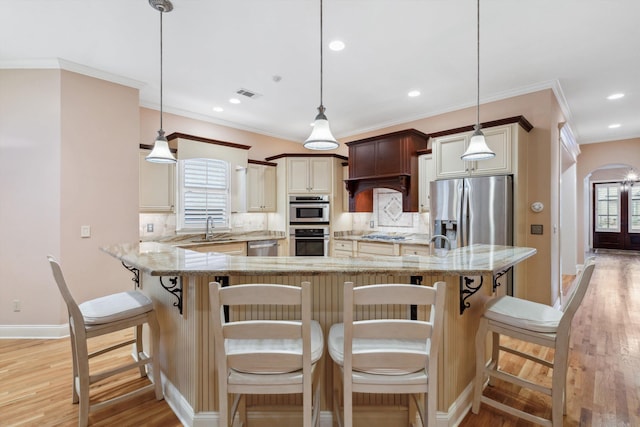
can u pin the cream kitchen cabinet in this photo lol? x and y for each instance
(309, 174)
(156, 185)
(426, 174)
(261, 187)
(234, 248)
(342, 248)
(416, 250)
(368, 249)
(447, 151)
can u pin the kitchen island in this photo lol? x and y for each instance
(177, 281)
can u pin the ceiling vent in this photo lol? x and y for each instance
(248, 93)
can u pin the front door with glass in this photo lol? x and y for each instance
(616, 213)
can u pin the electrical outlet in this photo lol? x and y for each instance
(371, 224)
(85, 231)
(536, 228)
(150, 228)
(17, 305)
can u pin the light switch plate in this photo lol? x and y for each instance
(85, 231)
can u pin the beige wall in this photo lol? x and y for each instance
(29, 195)
(99, 181)
(68, 158)
(594, 157)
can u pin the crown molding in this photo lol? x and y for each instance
(63, 64)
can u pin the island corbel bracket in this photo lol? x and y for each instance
(497, 276)
(175, 289)
(467, 290)
(136, 274)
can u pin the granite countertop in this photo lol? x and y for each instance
(384, 237)
(187, 240)
(159, 259)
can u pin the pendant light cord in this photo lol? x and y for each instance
(161, 70)
(478, 65)
(321, 60)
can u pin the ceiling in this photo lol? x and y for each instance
(584, 49)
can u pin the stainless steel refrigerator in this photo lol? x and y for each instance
(473, 210)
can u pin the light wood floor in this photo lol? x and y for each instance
(603, 378)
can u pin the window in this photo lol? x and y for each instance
(608, 207)
(203, 193)
(634, 209)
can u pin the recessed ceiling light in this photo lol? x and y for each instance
(218, 109)
(614, 125)
(615, 96)
(234, 101)
(336, 45)
(414, 93)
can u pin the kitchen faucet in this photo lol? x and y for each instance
(440, 251)
(210, 226)
(441, 236)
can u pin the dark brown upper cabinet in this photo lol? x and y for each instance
(385, 161)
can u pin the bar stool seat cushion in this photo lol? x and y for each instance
(112, 308)
(273, 346)
(336, 350)
(524, 314)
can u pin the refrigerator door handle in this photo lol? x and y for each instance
(463, 223)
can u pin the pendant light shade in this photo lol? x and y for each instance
(321, 137)
(161, 152)
(478, 148)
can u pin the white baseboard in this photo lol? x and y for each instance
(456, 413)
(34, 331)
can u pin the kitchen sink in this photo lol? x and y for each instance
(384, 237)
(214, 240)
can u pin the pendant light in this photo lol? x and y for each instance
(321, 137)
(161, 152)
(478, 149)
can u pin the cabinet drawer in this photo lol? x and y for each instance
(343, 245)
(419, 250)
(235, 248)
(369, 248)
(342, 254)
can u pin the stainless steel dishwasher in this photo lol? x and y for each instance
(262, 248)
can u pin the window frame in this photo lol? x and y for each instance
(631, 197)
(597, 215)
(189, 223)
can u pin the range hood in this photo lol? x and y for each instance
(385, 161)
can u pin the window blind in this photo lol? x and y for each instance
(204, 193)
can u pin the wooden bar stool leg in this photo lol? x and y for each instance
(81, 382)
(481, 339)
(139, 349)
(154, 329)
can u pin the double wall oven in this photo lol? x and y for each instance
(309, 225)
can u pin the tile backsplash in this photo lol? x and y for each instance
(388, 217)
(164, 225)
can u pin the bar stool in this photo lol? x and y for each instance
(389, 355)
(102, 316)
(266, 356)
(536, 323)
